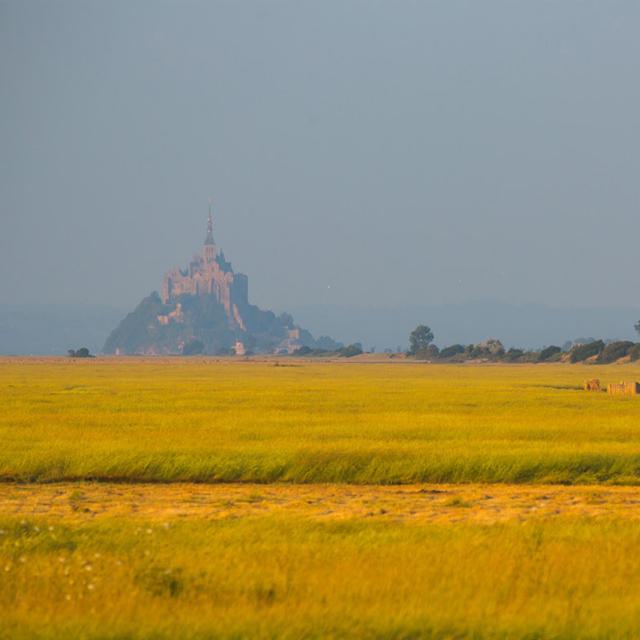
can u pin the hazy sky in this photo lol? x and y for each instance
(365, 153)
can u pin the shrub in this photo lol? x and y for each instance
(453, 350)
(83, 352)
(350, 350)
(581, 352)
(491, 349)
(428, 353)
(513, 355)
(549, 352)
(614, 351)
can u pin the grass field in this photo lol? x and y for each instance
(206, 561)
(310, 515)
(181, 420)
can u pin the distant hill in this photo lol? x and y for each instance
(155, 327)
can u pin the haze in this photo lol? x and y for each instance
(369, 154)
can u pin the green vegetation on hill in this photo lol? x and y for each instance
(203, 321)
(135, 330)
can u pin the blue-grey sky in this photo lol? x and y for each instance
(364, 153)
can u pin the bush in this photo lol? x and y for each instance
(430, 352)
(549, 352)
(614, 351)
(491, 349)
(513, 355)
(451, 351)
(83, 352)
(582, 352)
(350, 350)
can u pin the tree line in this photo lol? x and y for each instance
(422, 347)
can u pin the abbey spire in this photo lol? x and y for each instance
(209, 239)
(207, 274)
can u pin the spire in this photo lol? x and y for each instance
(209, 238)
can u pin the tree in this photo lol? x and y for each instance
(420, 338)
(614, 351)
(549, 352)
(637, 326)
(83, 352)
(430, 352)
(451, 351)
(581, 352)
(350, 350)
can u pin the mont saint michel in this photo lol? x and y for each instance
(205, 309)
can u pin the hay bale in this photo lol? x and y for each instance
(592, 385)
(624, 389)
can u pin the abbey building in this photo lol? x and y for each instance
(205, 309)
(209, 274)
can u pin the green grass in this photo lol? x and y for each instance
(191, 420)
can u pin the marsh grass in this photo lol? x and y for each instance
(292, 577)
(125, 560)
(166, 421)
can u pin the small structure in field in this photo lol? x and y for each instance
(592, 385)
(624, 389)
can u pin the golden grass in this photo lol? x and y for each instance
(280, 555)
(196, 561)
(177, 420)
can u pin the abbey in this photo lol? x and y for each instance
(205, 308)
(209, 274)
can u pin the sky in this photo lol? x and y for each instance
(373, 154)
